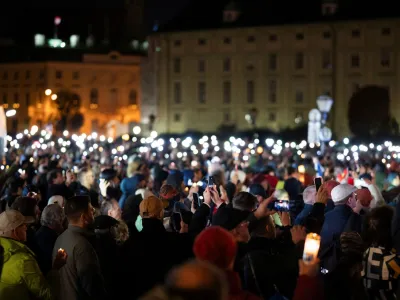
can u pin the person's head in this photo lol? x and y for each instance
(151, 208)
(111, 208)
(290, 171)
(344, 194)
(196, 280)
(245, 201)
(169, 195)
(378, 227)
(329, 186)
(86, 177)
(235, 221)
(310, 195)
(366, 177)
(265, 228)
(217, 246)
(197, 175)
(53, 217)
(55, 177)
(79, 211)
(110, 175)
(352, 246)
(258, 191)
(13, 225)
(27, 206)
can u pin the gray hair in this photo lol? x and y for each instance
(52, 216)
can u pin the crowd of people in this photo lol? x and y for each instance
(162, 224)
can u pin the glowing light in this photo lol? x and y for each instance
(65, 133)
(137, 130)
(54, 97)
(11, 113)
(48, 92)
(153, 134)
(346, 141)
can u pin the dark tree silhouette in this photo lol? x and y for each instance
(68, 104)
(368, 113)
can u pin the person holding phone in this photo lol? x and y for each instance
(309, 197)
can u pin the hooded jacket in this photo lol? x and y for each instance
(21, 277)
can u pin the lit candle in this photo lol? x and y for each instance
(311, 247)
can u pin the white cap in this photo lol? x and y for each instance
(342, 191)
(309, 195)
(56, 199)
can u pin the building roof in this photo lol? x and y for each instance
(208, 14)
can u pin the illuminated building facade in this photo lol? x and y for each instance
(106, 86)
(213, 77)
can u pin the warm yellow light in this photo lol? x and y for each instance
(301, 169)
(54, 97)
(125, 137)
(48, 92)
(260, 150)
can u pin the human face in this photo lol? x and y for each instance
(88, 217)
(241, 232)
(90, 177)
(115, 212)
(59, 179)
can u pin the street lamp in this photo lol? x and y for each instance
(324, 103)
(54, 97)
(48, 92)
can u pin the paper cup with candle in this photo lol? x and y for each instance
(311, 247)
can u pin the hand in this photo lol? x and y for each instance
(298, 234)
(207, 196)
(194, 189)
(224, 195)
(103, 185)
(285, 218)
(322, 195)
(184, 227)
(311, 269)
(215, 196)
(60, 260)
(263, 210)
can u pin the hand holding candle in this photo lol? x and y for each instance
(311, 248)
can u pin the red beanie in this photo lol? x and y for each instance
(329, 185)
(216, 246)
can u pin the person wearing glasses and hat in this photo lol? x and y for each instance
(21, 277)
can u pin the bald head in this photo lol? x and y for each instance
(197, 280)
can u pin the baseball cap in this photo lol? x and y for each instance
(342, 191)
(151, 207)
(229, 217)
(257, 190)
(11, 219)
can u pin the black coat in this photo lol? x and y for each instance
(45, 238)
(150, 255)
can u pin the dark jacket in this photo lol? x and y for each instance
(150, 254)
(45, 240)
(81, 276)
(271, 265)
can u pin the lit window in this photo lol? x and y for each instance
(133, 98)
(94, 99)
